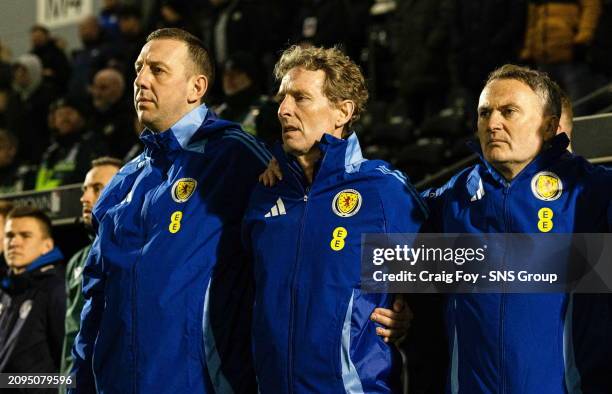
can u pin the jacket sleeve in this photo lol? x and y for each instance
(529, 32)
(590, 10)
(93, 292)
(404, 210)
(55, 316)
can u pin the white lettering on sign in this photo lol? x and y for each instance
(55, 13)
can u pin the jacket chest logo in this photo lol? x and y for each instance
(346, 203)
(546, 186)
(183, 189)
(25, 309)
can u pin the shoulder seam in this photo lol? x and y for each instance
(257, 148)
(404, 180)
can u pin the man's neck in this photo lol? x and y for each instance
(509, 171)
(308, 161)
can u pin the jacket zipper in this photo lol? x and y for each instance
(294, 295)
(145, 211)
(502, 307)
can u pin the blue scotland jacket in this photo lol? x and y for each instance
(166, 282)
(311, 326)
(523, 343)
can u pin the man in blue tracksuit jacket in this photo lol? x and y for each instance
(311, 323)
(527, 183)
(166, 283)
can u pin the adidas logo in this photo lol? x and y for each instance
(479, 193)
(277, 209)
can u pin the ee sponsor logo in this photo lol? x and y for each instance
(175, 222)
(338, 236)
(545, 224)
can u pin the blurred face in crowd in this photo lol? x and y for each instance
(106, 89)
(7, 151)
(166, 86)
(67, 120)
(24, 241)
(129, 25)
(21, 77)
(512, 126)
(89, 29)
(38, 38)
(2, 220)
(305, 113)
(235, 81)
(95, 180)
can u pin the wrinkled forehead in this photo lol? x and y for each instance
(503, 92)
(303, 80)
(24, 224)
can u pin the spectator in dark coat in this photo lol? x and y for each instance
(244, 103)
(600, 54)
(94, 55)
(56, 68)
(32, 297)
(480, 43)
(113, 114)
(14, 176)
(236, 26)
(131, 40)
(28, 106)
(422, 58)
(67, 160)
(332, 22)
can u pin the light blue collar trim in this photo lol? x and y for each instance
(353, 156)
(186, 127)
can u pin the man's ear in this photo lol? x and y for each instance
(199, 88)
(550, 128)
(345, 112)
(48, 245)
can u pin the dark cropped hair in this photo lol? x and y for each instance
(198, 53)
(106, 161)
(28, 211)
(538, 81)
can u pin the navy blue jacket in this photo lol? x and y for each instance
(311, 326)
(166, 282)
(523, 343)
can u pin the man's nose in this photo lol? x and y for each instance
(142, 78)
(495, 121)
(286, 107)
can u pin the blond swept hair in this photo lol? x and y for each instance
(343, 78)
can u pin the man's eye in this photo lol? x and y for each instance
(508, 111)
(483, 113)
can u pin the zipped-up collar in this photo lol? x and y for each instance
(338, 157)
(551, 151)
(46, 259)
(185, 134)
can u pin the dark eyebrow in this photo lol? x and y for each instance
(152, 63)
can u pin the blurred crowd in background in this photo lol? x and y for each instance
(425, 60)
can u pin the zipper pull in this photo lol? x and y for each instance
(306, 193)
(305, 197)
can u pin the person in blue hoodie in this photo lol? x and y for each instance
(167, 284)
(527, 182)
(312, 330)
(32, 297)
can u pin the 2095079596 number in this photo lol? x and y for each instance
(34, 380)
